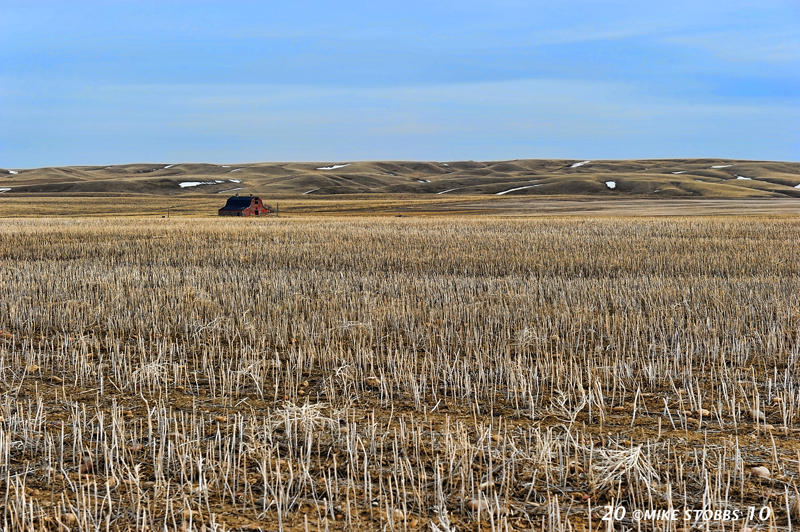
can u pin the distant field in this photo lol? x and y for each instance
(661, 178)
(381, 373)
(196, 205)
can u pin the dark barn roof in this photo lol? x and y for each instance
(237, 203)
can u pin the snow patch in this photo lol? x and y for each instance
(225, 166)
(235, 180)
(236, 170)
(423, 180)
(458, 188)
(445, 164)
(743, 177)
(4, 189)
(333, 167)
(229, 190)
(14, 172)
(681, 172)
(310, 191)
(611, 184)
(576, 165)
(514, 190)
(186, 184)
(718, 166)
(797, 186)
(168, 166)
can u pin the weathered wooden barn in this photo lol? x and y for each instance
(244, 206)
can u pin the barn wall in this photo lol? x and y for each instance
(249, 211)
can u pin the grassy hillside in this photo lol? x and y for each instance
(667, 178)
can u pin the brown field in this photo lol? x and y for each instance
(381, 373)
(204, 205)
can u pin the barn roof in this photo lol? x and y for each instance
(236, 203)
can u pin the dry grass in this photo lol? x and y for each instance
(398, 374)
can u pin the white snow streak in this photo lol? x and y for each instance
(575, 165)
(514, 190)
(186, 184)
(4, 189)
(333, 167)
(611, 184)
(718, 166)
(310, 191)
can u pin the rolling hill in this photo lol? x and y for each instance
(653, 178)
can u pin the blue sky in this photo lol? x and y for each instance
(104, 82)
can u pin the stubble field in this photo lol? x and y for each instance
(448, 373)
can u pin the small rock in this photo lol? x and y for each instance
(760, 472)
(478, 505)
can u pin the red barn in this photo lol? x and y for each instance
(244, 206)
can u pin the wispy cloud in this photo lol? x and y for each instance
(744, 46)
(92, 80)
